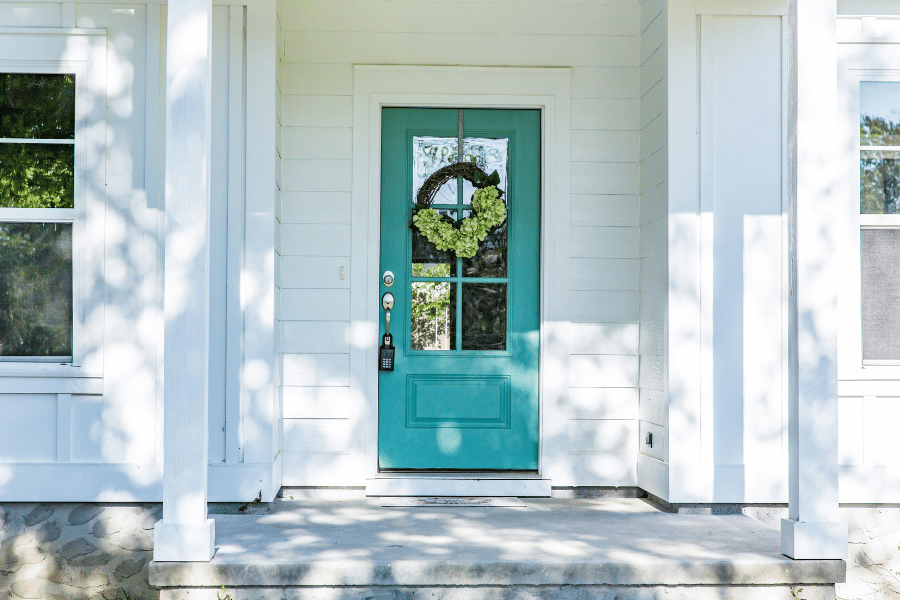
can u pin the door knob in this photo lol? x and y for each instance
(386, 352)
(387, 302)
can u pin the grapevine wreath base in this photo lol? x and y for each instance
(464, 235)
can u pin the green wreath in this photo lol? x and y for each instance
(461, 236)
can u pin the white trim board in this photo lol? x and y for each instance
(129, 482)
(548, 89)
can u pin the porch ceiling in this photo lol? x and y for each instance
(608, 542)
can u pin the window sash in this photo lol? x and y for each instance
(37, 215)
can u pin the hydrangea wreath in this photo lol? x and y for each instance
(461, 236)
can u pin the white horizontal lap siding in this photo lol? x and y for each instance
(652, 397)
(316, 147)
(322, 41)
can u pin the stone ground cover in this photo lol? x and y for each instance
(76, 551)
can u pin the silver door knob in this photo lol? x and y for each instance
(388, 278)
(387, 301)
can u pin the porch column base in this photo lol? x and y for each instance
(184, 542)
(814, 540)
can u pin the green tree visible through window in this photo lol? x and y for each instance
(879, 181)
(37, 171)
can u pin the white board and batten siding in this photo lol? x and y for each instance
(869, 395)
(95, 436)
(323, 425)
(99, 437)
(727, 253)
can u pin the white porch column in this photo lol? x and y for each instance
(185, 533)
(813, 530)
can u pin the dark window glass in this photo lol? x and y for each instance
(37, 176)
(427, 260)
(37, 106)
(35, 290)
(484, 316)
(490, 260)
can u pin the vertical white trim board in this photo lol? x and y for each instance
(465, 87)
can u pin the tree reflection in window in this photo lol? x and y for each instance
(432, 309)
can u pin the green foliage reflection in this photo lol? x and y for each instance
(879, 170)
(37, 176)
(432, 314)
(37, 106)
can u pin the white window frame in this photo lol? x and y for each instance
(856, 62)
(81, 52)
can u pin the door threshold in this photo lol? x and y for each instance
(452, 484)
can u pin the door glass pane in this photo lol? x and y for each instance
(35, 290)
(432, 153)
(427, 260)
(484, 316)
(879, 104)
(489, 154)
(490, 260)
(429, 155)
(433, 315)
(37, 176)
(879, 182)
(37, 106)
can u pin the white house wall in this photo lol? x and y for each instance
(324, 424)
(727, 252)
(869, 396)
(100, 438)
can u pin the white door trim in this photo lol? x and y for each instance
(466, 87)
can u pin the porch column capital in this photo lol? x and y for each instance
(185, 533)
(813, 529)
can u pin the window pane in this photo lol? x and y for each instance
(429, 155)
(879, 107)
(880, 252)
(37, 106)
(879, 182)
(489, 154)
(37, 176)
(484, 316)
(35, 290)
(433, 316)
(433, 153)
(490, 260)
(427, 260)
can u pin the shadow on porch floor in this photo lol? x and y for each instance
(550, 548)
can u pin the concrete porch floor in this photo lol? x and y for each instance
(550, 548)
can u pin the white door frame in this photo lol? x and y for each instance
(375, 87)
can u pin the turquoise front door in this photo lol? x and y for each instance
(463, 395)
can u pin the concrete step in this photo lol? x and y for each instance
(549, 548)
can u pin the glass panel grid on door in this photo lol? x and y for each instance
(456, 303)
